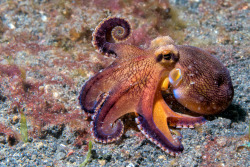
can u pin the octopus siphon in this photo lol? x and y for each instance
(137, 78)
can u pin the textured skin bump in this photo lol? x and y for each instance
(134, 82)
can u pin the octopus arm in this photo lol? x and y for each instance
(176, 119)
(107, 127)
(108, 78)
(155, 118)
(153, 125)
(94, 87)
(108, 35)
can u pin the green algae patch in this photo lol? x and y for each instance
(88, 155)
(23, 128)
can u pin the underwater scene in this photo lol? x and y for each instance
(126, 83)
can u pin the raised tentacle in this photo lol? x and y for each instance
(109, 31)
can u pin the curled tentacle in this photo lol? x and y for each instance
(107, 125)
(108, 32)
(102, 130)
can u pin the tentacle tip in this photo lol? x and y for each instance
(201, 122)
(171, 152)
(105, 141)
(108, 32)
(100, 136)
(175, 154)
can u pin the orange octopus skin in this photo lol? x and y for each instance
(134, 82)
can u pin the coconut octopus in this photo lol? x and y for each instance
(134, 83)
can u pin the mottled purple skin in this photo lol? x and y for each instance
(132, 83)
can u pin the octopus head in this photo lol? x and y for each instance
(200, 82)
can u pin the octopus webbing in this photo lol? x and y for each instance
(136, 79)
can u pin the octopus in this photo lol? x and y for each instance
(137, 78)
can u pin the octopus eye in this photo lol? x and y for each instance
(167, 56)
(167, 53)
